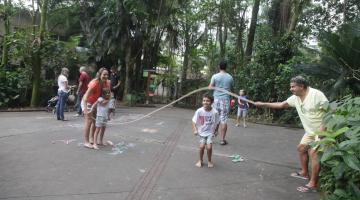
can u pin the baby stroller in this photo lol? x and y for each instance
(51, 106)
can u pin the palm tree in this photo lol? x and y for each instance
(339, 63)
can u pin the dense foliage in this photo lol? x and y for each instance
(340, 150)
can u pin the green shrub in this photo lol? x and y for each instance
(14, 87)
(133, 99)
(339, 150)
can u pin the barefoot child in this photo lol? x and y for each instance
(205, 123)
(243, 108)
(101, 117)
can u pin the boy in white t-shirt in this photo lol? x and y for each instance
(205, 123)
(101, 117)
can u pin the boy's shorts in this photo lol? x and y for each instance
(205, 140)
(100, 121)
(241, 112)
(222, 106)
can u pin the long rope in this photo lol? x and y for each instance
(181, 98)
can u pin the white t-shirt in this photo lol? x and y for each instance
(206, 121)
(309, 110)
(61, 83)
(102, 110)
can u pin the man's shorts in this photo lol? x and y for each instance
(241, 112)
(308, 138)
(222, 106)
(100, 121)
(205, 140)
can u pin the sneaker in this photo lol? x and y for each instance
(236, 124)
(245, 126)
(77, 115)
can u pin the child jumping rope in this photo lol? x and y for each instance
(243, 108)
(205, 123)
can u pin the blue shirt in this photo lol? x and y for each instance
(224, 81)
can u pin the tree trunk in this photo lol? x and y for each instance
(279, 16)
(251, 36)
(222, 32)
(184, 68)
(37, 58)
(127, 87)
(298, 7)
(5, 52)
(239, 40)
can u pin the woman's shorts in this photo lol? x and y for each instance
(100, 121)
(88, 106)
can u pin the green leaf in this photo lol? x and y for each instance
(352, 161)
(333, 135)
(355, 189)
(348, 142)
(327, 154)
(341, 131)
(340, 193)
(354, 133)
(339, 171)
(325, 141)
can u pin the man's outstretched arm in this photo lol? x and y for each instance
(274, 105)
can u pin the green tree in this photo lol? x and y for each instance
(36, 56)
(6, 14)
(339, 61)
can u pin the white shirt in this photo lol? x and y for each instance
(61, 83)
(206, 121)
(102, 110)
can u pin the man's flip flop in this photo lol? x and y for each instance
(223, 142)
(298, 175)
(306, 189)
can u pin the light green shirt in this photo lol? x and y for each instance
(309, 110)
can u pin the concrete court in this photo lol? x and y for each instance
(42, 158)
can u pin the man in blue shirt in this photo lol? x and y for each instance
(222, 100)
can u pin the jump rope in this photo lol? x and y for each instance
(179, 99)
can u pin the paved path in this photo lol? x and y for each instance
(42, 158)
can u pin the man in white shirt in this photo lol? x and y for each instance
(63, 93)
(308, 102)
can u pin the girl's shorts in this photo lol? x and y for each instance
(242, 112)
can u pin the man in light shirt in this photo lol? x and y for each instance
(63, 93)
(222, 100)
(308, 102)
